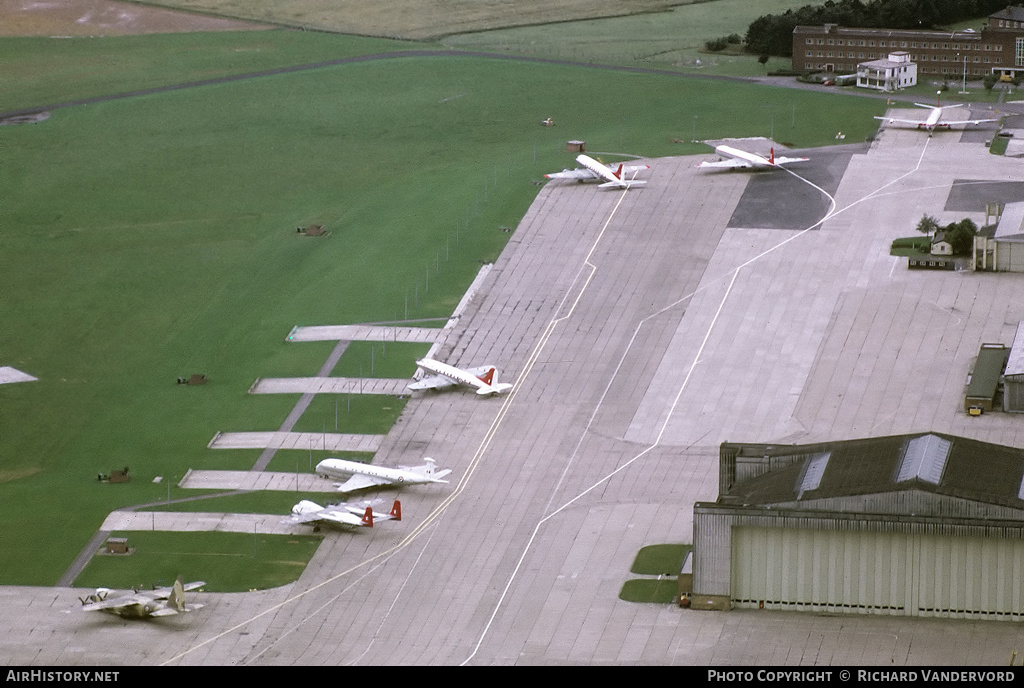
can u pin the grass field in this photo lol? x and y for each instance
(154, 237)
(413, 19)
(228, 562)
(670, 39)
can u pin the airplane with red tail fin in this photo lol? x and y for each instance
(594, 170)
(735, 158)
(481, 379)
(361, 514)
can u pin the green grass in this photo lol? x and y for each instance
(672, 39)
(910, 246)
(228, 562)
(999, 145)
(154, 237)
(360, 414)
(259, 502)
(45, 71)
(394, 360)
(288, 461)
(647, 590)
(655, 560)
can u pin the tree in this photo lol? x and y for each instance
(927, 225)
(961, 236)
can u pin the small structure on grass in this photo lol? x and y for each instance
(117, 545)
(311, 230)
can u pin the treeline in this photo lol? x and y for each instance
(772, 34)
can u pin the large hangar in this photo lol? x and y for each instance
(915, 525)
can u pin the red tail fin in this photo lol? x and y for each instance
(396, 511)
(488, 376)
(771, 157)
(368, 517)
(618, 172)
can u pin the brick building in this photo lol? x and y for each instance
(998, 47)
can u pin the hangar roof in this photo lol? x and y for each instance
(927, 462)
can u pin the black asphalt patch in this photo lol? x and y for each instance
(971, 195)
(776, 199)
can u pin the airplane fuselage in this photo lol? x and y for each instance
(340, 468)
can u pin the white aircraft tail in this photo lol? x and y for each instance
(492, 387)
(429, 470)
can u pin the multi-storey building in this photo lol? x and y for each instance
(998, 47)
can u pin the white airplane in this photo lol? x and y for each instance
(364, 475)
(482, 378)
(341, 514)
(735, 158)
(934, 119)
(592, 169)
(142, 605)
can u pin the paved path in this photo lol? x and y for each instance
(329, 385)
(268, 524)
(323, 441)
(256, 480)
(378, 333)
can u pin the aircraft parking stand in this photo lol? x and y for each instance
(640, 332)
(325, 441)
(269, 524)
(256, 480)
(329, 385)
(332, 333)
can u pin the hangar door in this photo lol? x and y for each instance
(889, 573)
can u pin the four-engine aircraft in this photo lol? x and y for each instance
(593, 170)
(934, 120)
(143, 604)
(342, 514)
(481, 379)
(364, 475)
(736, 158)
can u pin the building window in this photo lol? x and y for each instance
(1019, 53)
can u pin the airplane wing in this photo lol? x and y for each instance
(171, 611)
(783, 161)
(432, 382)
(728, 162)
(342, 516)
(119, 602)
(622, 183)
(360, 482)
(891, 120)
(572, 174)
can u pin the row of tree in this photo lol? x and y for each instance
(960, 235)
(772, 34)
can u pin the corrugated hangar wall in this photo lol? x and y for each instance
(911, 574)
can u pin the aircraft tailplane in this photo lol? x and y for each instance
(396, 511)
(368, 517)
(177, 598)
